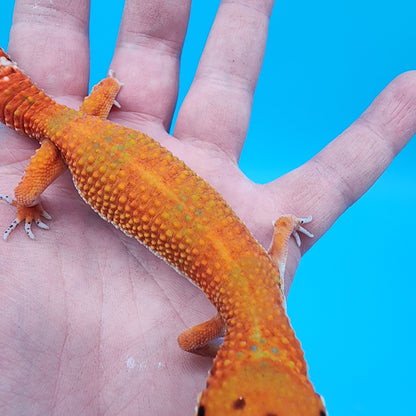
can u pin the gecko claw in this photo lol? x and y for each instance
(299, 229)
(44, 214)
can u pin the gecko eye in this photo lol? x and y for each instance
(239, 403)
(201, 411)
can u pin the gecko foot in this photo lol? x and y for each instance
(112, 74)
(27, 214)
(299, 229)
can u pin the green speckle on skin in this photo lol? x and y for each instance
(274, 350)
(256, 333)
(198, 212)
(188, 218)
(108, 139)
(117, 148)
(240, 355)
(54, 123)
(264, 364)
(179, 207)
(183, 197)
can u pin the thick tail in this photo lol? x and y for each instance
(20, 100)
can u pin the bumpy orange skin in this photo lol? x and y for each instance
(130, 180)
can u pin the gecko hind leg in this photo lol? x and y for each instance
(203, 339)
(102, 97)
(44, 167)
(47, 164)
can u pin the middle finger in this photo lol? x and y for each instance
(147, 57)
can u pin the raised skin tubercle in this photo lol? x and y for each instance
(140, 187)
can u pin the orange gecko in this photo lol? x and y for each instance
(130, 180)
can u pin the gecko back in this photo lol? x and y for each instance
(141, 188)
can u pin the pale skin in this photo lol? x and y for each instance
(88, 317)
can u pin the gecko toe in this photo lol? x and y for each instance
(10, 228)
(42, 225)
(28, 229)
(6, 198)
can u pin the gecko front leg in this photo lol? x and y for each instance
(285, 227)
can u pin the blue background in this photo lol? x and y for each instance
(352, 303)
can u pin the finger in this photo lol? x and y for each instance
(345, 169)
(218, 106)
(147, 57)
(49, 40)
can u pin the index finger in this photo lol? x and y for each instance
(218, 105)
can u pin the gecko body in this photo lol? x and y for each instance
(141, 188)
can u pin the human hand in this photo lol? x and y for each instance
(89, 318)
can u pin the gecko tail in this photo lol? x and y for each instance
(19, 97)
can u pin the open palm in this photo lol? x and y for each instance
(88, 317)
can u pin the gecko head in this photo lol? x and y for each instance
(259, 389)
